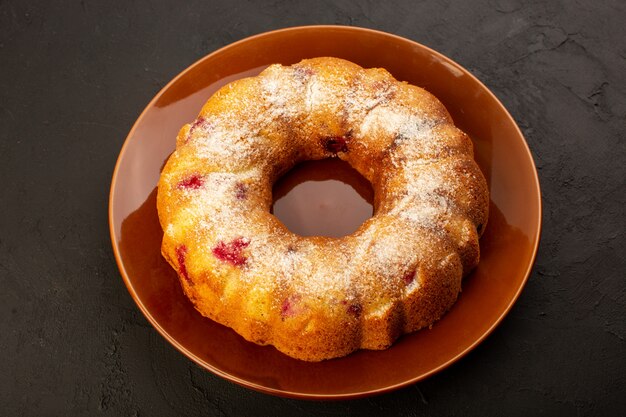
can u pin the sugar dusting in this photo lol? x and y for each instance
(421, 204)
(235, 131)
(374, 260)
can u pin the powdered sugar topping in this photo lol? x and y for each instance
(369, 261)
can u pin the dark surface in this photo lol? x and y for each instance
(74, 78)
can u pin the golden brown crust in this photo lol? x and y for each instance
(317, 298)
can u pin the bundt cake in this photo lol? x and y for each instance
(316, 298)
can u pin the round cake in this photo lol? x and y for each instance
(316, 298)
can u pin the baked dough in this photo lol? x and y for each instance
(316, 298)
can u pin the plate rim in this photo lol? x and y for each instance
(312, 396)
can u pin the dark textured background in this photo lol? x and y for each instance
(75, 76)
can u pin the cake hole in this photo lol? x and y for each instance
(323, 198)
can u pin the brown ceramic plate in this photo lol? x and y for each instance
(508, 246)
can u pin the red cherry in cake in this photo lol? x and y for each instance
(200, 122)
(355, 309)
(302, 73)
(193, 182)
(336, 144)
(290, 306)
(409, 277)
(241, 191)
(231, 252)
(181, 256)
